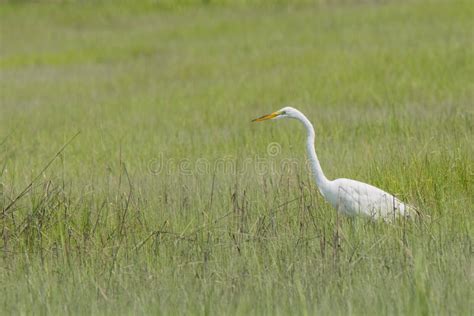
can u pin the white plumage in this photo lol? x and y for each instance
(350, 197)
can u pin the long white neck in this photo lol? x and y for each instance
(318, 173)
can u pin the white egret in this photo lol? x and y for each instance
(349, 197)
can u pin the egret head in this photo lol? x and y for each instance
(286, 112)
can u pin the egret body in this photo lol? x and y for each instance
(347, 196)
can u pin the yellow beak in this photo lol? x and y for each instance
(266, 117)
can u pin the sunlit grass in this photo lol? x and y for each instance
(170, 201)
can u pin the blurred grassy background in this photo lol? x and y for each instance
(387, 84)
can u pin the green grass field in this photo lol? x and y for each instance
(169, 201)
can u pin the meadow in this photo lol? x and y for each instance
(132, 181)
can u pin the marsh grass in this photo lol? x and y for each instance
(387, 85)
